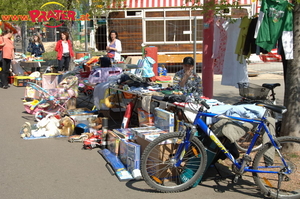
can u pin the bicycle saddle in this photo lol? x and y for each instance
(270, 86)
(275, 108)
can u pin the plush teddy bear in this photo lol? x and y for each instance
(47, 127)
(66, 127)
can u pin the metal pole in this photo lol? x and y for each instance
(86, 37)
(24, 39)
(195, 43)
(207, 61)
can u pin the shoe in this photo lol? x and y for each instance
(5, 87)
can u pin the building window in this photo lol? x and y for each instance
(171, 28)
(154, 31)
(133, 13)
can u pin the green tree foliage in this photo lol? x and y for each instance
(219, 8)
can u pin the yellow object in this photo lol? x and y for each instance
(22, 80)
(34, 102)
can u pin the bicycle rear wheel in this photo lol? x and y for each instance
(268, 159)
(158, 163)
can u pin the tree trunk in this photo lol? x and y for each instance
(291, 119)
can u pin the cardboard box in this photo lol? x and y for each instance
(113, 142)
(164, 120)
(145, 117)
(144, 133)
(136, 130)
(132, 59)
(159, 169)
(123, 151)
(133, 156)
(22, 80)
(128, 133)
(83, 118)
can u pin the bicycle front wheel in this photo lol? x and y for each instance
(161, 169)
(269, 159)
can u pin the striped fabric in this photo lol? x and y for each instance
(167, 3)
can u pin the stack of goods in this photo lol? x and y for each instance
(127, 144)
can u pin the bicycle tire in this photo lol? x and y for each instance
(159, 171)
(268, 182)
(243, 143)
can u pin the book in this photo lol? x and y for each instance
(145, 133)
(127, 133)
(164, 120)
(123, 151)
(145, 117)
(133, 156)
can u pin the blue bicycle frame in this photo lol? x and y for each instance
(240, 165)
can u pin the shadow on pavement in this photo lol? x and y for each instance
(218, 177)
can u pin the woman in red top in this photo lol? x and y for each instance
(64, 52)
(8, 56)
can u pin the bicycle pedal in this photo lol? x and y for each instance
(236, 178)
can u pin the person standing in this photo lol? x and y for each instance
(186, 79)
(36, 47)
(64, 51)
(8, 56)
(2, 43)
(114, 46)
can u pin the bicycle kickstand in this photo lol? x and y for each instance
(280, 177)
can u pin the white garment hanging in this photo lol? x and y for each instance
(233, 71)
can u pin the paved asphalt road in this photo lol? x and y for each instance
(55, 169)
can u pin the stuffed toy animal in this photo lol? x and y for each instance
(26, 130)
(47, 127)
(96, 123)
(67, 126)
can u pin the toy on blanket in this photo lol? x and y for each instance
(47, 127)
(67, 126)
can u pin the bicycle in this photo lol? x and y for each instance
(251, 94)
(176, 161)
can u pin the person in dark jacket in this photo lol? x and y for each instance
(36, 47)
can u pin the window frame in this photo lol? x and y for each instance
(165, 19)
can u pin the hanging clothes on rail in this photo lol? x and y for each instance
(250, 46)
(233, 71)
(242, 39)
(219, 44)
(275, 19)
